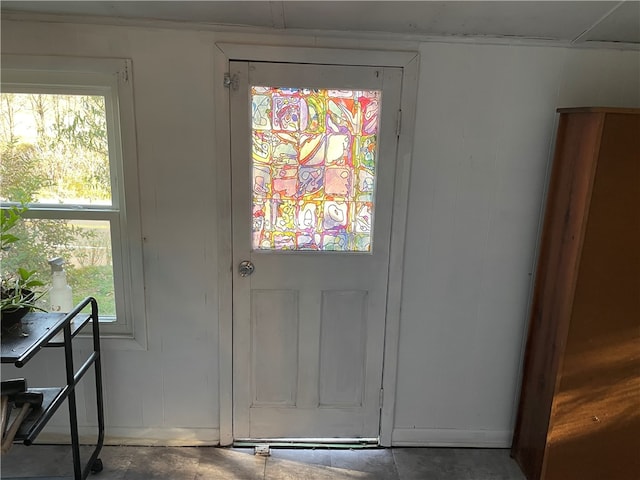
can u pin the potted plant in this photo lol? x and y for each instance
(18, 290)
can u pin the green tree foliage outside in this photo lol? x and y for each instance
(54, 150)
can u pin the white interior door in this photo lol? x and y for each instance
(313, 150)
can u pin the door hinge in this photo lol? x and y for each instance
(381, 398)
(231, 81)
(124, 73)
(399, 123)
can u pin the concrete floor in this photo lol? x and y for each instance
(211, 463)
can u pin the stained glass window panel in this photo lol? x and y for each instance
(314, 155)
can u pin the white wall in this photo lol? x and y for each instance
(484, 127)
(169, 391)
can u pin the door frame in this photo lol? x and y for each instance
(409, 62)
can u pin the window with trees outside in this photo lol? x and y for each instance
(65, 130)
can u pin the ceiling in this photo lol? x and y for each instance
(575, 22)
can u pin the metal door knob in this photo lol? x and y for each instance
(245, 268)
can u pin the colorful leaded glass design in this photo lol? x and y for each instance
(314, 168)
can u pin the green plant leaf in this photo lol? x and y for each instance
(25, 274)
(7, 238)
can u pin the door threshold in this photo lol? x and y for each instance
(337, 443)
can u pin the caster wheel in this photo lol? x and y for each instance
(97, 466)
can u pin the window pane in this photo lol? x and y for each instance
(84, 244)
(54, 149)
(92, 274)
(314, 168)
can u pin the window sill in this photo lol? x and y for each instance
(112, 342)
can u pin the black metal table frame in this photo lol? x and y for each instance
(73, 377)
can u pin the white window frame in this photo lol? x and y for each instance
(110, 78)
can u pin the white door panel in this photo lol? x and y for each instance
(308, 327)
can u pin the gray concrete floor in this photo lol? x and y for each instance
(211, 463)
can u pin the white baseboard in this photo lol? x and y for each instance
(432, 437)
(136, 436)
(184, 437)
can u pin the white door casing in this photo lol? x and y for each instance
(309, 327)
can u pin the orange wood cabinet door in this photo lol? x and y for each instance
(579, 413)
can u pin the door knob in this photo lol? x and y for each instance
(245, 268)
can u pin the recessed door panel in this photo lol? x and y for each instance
(274, 342)
(342, 348)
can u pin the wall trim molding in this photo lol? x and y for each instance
(136, 436)
(409, 62)
(318, 34)
(448, 437)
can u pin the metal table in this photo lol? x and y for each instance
(21, 344)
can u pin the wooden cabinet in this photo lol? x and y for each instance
(579, 412)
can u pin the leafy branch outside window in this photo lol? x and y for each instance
(18, 289)
(54, 151)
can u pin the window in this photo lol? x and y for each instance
(68, 148)
(314, 161)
